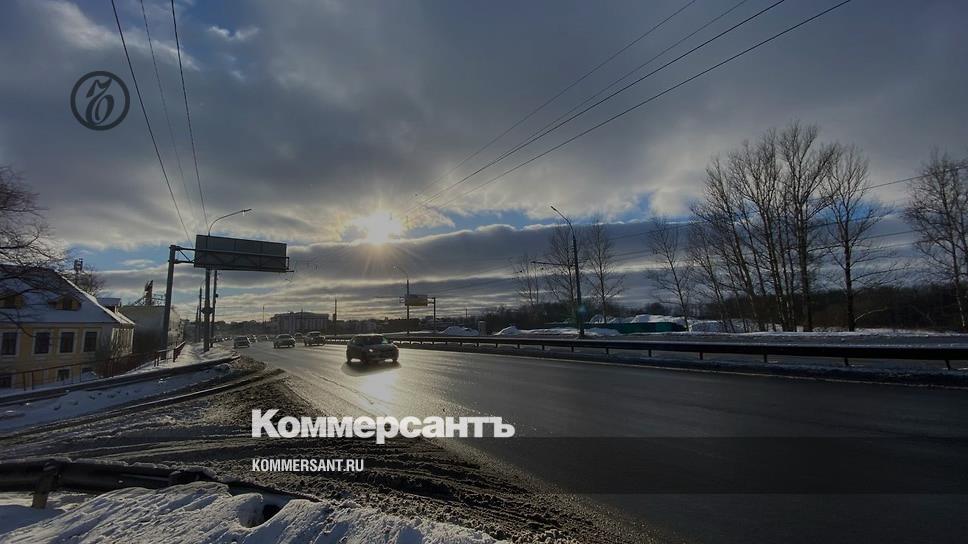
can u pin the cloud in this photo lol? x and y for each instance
(240, 35)
(138, 263)
(315, 114)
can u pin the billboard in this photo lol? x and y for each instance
(415, 300)
(220, 253)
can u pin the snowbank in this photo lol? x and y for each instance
(207, 512)
(459, 331)
(556, 331)
(191, 354)
(83, 402)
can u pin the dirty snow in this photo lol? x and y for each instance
(459, 331)
(191, 354)
(556, 331)
(208, 512)
(83, 402)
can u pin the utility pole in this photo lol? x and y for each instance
(574, 244)
(434, 299)
(214, 304)
(263, 318)
(406, 298)
(198, 316)
(166, 317)
(207, 310)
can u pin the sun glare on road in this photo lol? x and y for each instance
(379, 226)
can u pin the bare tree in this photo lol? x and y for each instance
(807, 165)
(91, 281)
(528, 278)
(559, 268)
(27, 250)
(606, 283)
(676, 272)
(853, 214)
(708, 282)
(939, 213)
(25, 239)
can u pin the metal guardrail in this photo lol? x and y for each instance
(760, 349)
(41, 476)
(115, 381)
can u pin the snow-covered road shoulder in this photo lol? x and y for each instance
(85, 402)
(208, 512)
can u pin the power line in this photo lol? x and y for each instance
(164, 107)
(642, 65)
(151, 133)
(648, 100)
(188, 114)
(561, 92)
(537, 137)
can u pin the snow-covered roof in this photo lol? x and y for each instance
(40, 289)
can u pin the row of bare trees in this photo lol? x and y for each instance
(787, 215)
(553, 273)
(774, 214)
(780, 220)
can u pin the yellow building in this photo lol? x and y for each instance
(52, 331)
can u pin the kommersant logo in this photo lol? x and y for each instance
(380, 428)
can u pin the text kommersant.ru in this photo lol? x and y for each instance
(380, 428)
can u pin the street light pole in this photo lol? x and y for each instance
(209, 308)
(574, 245)
(406, 299)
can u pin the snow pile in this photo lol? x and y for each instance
(207, 512)
(190, 354)
(15, 510)
(83, 402)
(556, 331)
(459, 331)
(651, 318)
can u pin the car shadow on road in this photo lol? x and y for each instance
(359, 369)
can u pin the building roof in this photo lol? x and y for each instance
(40, 289)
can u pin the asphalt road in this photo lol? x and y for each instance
(689, 456)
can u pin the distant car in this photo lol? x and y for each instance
(371, 348)
(298, 336)
(314, 338)
(284, 341)
(240, 342)
(264, 338)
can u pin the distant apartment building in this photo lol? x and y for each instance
(299, 322)
(51, 331)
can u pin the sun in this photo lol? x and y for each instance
(379, 227)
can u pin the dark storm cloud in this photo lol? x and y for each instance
(316, 112)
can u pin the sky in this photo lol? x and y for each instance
(332, 119)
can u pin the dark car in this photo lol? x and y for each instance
(314, 338)
(240, 342)
(370, 348)
(284, 341)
